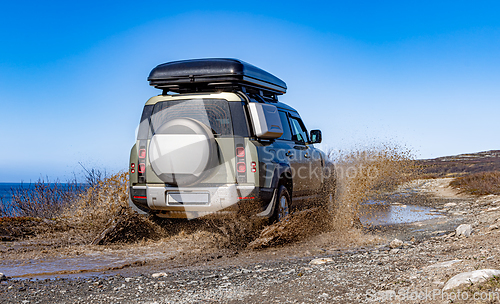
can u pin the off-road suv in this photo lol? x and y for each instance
(218, 140)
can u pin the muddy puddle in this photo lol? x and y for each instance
(88, 264)
(376, 213)
(67, 267)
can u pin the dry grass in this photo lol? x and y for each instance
(482, 183)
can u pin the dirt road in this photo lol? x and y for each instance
(358, 266)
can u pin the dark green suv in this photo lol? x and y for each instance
(218, 140)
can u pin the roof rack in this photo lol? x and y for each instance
(216, 74)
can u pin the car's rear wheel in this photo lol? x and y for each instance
(282, 206)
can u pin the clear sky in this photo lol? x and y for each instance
(424, 74)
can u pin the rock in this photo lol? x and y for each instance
(449, 235)
(396, 243)
(444, 264)
(463, 230)
(468, 278)
(159, 274)
(320, 261)
(493, 209)
(323, 296)
(7, 238)
(3, 277)
(495, 226)
(449, 205)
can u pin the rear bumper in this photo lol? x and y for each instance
(193, 202)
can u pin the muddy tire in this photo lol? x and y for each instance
(328, 193)
(282, 206)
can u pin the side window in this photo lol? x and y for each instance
(299, 132)
(287, 133)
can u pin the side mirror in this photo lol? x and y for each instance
(265, 120)
(315, 136)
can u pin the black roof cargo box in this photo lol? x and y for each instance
(222, 74)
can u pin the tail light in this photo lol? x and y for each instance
(132, 168)
(240, 161)
(240, 152)
(141, 163)
(254, 167)
(241, 167)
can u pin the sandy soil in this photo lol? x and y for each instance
(192, 267)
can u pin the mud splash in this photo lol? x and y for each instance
(364, 173)
(360, 174)
(125, 239)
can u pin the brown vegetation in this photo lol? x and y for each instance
(459, 165)
(482, 183)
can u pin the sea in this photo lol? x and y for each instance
(6, 190)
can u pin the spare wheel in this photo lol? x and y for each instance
(183, 152)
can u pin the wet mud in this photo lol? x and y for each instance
(208, 243)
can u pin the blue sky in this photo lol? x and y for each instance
(73, 75)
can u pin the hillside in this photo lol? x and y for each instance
(458, 165)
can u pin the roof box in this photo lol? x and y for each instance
(217, 74)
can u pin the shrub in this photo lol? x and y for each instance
(41, 199)
(482, 183)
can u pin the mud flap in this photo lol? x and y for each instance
(135, 208)
(270, 208)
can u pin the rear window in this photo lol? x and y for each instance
(214, 113)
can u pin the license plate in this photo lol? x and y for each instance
(187, 198)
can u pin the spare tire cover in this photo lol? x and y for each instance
(183, 152)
